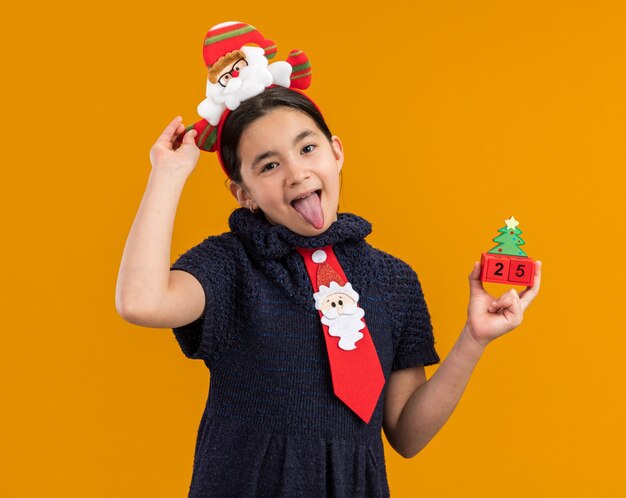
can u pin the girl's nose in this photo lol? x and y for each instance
(297, 173)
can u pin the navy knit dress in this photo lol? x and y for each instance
(272, 426)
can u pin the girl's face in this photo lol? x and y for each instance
(285, 156)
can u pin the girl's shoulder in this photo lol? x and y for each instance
(393, 266)
(217, 251)
(221, 242)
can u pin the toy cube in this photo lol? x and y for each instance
(521, 271)
(495, 268)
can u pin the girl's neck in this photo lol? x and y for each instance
(267, 240)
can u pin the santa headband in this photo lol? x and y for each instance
(237, 58)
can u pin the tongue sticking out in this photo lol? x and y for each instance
(311, 209)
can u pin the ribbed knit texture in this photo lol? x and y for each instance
(272, 426)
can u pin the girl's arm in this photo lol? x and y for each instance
(415, 408)
(143, 293)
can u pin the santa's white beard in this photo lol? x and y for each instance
(252, 80)
(345, 326)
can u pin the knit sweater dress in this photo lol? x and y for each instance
(272, 426)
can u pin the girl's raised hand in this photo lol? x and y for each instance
(169, 152)
(489, 318)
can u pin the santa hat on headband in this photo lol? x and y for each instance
(229, 36)
(237, 57)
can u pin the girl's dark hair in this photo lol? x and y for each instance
(254, 108)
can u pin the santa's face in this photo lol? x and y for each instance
(229, 72)
(338, 304)
(240, 79)
(285, 160)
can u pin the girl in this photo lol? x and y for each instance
(283, 417)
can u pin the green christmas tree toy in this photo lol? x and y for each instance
(506, 263)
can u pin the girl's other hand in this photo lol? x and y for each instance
(489, 318)
(170, 153)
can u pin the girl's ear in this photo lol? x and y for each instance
(240, 193)
(337, 147)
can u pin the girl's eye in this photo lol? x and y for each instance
(268, 167)
(308, 148)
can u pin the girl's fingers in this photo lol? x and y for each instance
(189, 137)
(514, 312)
(179, 129)
(506, 300)
(169, 131)
(475, 283)
(188, 140)
(527, 296)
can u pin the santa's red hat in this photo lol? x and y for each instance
(228, 36)
(329, 281)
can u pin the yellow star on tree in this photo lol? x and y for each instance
(511, 223)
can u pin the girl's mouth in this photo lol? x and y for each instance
(310, 208)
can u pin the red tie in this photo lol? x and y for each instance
(355, 368)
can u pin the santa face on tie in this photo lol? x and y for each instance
(338, 304)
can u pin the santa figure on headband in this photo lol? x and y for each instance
(237, 58)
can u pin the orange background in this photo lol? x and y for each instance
(454, 116)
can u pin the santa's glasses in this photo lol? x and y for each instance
(233, 73)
